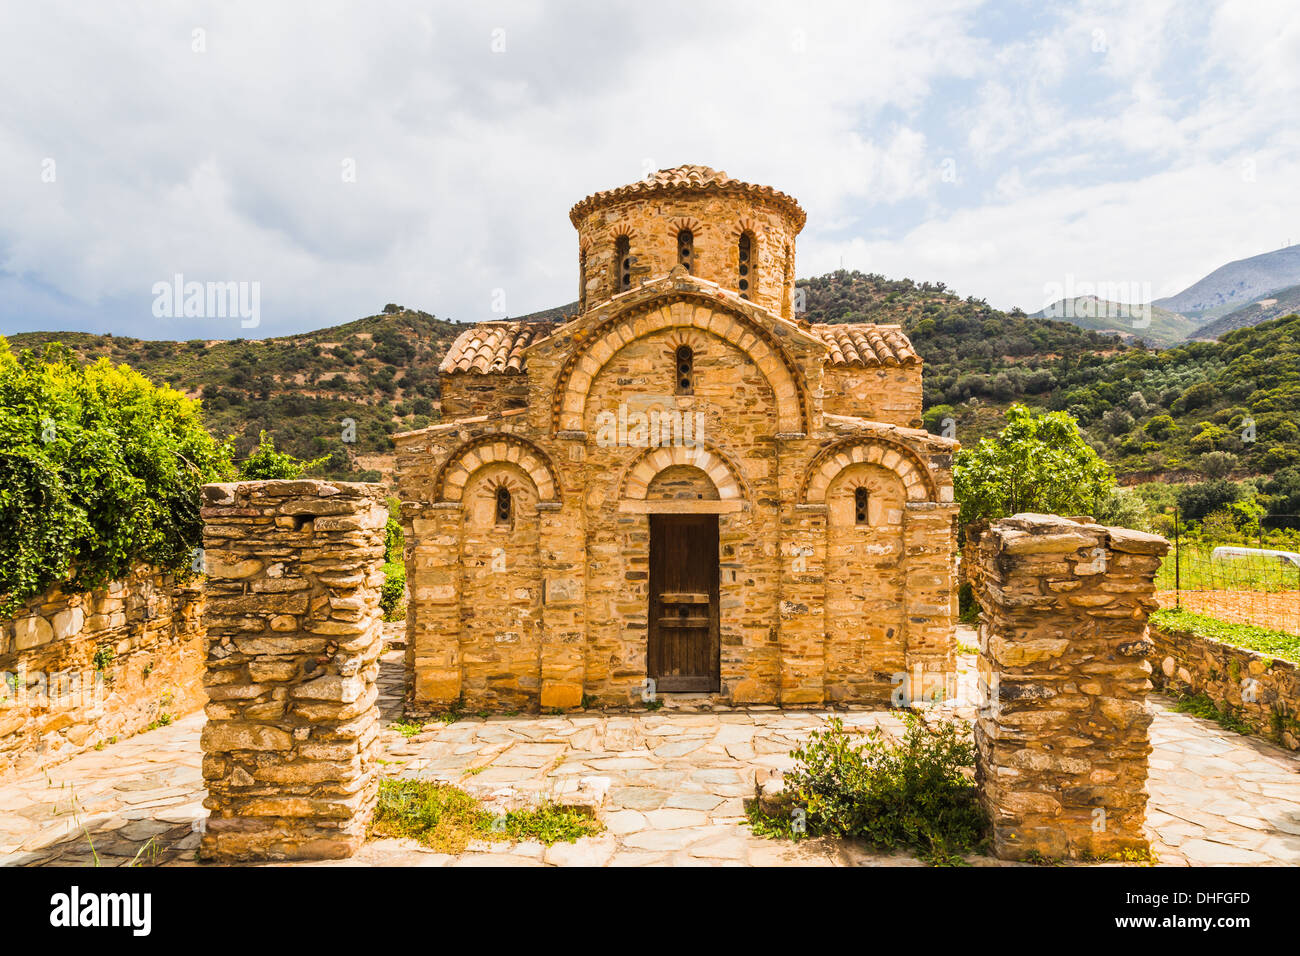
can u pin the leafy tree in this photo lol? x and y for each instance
(1218, 464)
(1038, 462)
(1283, 491)
(1161, 427)
(100, 469)
(1120, 506)
(265, 462)
(1197, 501)
(1117, 421)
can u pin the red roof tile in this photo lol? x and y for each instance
(493, 347)
(688, 179)
(866, 345)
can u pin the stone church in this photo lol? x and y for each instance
(684, 487)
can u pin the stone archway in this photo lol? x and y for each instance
(697, 311)
(869, 449)
(452, 478)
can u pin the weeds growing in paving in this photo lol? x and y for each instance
(1200, 705)
(446, 818)
(916, 793)
(407, 728)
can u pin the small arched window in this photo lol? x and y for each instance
(861, 499)
(622, 264)
(582, 281)
(685, 370)
(747, 271)
(686, 250)
(787, 280)
(505, 506)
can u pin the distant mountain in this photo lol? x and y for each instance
(1229, 287)
(1281, 302)
(1151, 324)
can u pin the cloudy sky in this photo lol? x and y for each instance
(346, 155)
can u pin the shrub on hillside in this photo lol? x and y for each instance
(1197, 501)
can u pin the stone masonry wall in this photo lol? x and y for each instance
(81, 669)
(890, 395)
(652, 223)
(1062, 740)
(1261, 690)
(294, 629)
(470, 394)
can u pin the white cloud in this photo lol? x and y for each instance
(227, 164)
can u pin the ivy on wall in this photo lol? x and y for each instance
(100, 469)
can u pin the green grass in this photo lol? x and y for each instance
(551, 823)
(1277, 644)
(1197, 572)
(440, 816)
(446, 818)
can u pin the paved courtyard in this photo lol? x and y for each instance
(674, 780)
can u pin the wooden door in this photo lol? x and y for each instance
(683, 648)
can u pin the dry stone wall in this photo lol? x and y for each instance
(1062, 737)
(294, 638)
(83, 669)
(1262, 691)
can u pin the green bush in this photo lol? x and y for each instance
(1197, 501)
(1038, 462)
(267, 463)
(392, 598)
(100, 470)
(394, 540)
(912, 793)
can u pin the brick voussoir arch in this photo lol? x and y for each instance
(898, 458)
(449, 486)
(683, 310)
(636, 480)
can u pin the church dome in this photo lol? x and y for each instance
(691, 218)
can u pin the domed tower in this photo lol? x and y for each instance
(736, 234)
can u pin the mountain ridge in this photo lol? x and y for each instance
(1235, 283)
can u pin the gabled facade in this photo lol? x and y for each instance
(684, 488)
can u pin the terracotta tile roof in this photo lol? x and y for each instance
(688, 179)
(493, 347)
(866, 345)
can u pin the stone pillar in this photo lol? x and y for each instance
(564, 635)
(928, 543)
(803, 606)
(1062, 738)
(433, 574)
(294, 637)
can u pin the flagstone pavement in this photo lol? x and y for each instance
(675, 780)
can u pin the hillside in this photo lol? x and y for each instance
(1237, 283)
(1151, 413)
(1278, 303)
(1161, 327)
(977, 358)
(380, 371)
